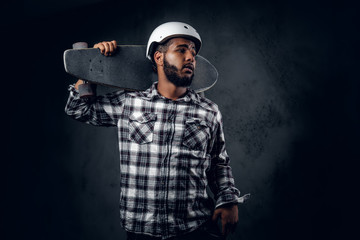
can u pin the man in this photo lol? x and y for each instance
(171, 145)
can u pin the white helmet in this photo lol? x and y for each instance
(170, 30)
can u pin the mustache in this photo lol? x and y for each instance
(189, 65)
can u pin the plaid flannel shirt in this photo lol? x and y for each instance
(170, 151)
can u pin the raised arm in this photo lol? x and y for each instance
(100, 110)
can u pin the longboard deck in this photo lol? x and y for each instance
(128, 68)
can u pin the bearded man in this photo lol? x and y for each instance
(171, 144)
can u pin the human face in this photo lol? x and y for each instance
(179, 62)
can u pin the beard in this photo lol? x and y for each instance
(173, 76)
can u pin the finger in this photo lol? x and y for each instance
(78, 83)
(223, 224)
(114, 43)
(215, 215)
(111, 48)
(107, 48)
(228, 228)
(100, 46)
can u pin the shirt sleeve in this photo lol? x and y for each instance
(99, 111)
(221, 181)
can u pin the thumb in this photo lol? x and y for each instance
(216, 214)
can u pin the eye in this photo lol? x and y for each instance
(181, 50)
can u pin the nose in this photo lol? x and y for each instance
(189, 57)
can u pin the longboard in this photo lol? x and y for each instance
(128, 68)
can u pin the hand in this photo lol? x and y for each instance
(78, 83)
(229, 217)
(106, 48)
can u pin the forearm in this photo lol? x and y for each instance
(79, 108)
(98, 111)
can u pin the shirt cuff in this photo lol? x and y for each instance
(72, 88)
(230, 198)
(73, 91)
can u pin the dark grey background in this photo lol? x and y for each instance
(288, 91)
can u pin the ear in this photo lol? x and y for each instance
(159, 58)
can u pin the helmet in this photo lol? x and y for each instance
(171, 30)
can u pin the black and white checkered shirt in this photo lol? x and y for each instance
(169, 152)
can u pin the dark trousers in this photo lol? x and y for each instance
(208, 231)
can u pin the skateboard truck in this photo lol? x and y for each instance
(86, 89)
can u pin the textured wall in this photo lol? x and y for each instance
(288, 91)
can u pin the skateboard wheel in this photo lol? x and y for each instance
(87, 90)
(79, 45)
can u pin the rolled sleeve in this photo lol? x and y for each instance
(98, 111)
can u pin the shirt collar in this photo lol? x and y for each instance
(152, 93)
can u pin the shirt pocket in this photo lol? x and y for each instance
(141, 127)
(196, 134)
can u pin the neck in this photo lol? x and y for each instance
(168, 89)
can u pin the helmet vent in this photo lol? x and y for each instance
(186, 27)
